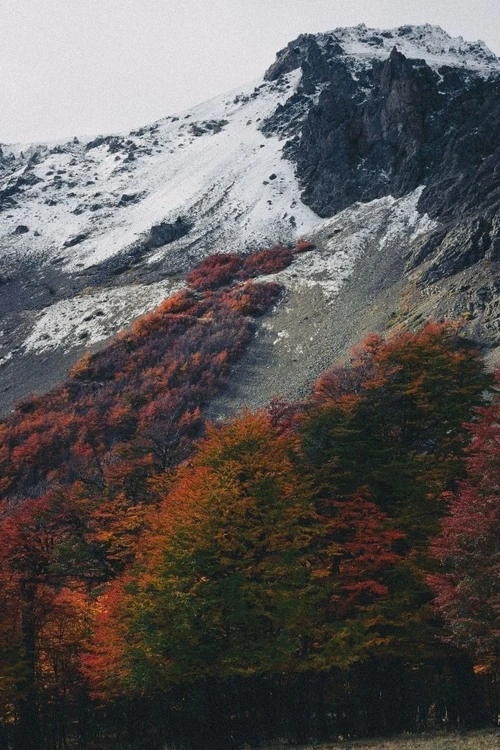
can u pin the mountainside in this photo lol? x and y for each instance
(177, 570)
(382, 147)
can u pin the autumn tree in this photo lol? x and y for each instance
(221, 586)
(33, 558)
(468, 585)
(392, 421)
(12, 666)
(242, 575)
(287, 558)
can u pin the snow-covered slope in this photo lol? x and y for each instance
(212, 165)
(342, 242)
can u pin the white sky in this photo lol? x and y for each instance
(82, 67)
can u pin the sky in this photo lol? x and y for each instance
(83, 67)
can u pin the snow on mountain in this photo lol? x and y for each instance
(87, 316)
(342, 241)
(94, 233)
(211, 164)
(427, 42)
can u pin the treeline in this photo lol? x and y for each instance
(299, 576)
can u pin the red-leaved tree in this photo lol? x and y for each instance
(468, 547)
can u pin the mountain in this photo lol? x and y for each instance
(382, 147)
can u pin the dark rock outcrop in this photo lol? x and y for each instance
(158, 236)
(388, 127)
(350, 150)
(303, 53)
(207, 126)
(15, 187)
(128, 198)
(458, 247)
(164, 233)
(76, 240)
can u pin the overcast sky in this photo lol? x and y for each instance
(82, 67)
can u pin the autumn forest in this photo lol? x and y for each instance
(319, 568)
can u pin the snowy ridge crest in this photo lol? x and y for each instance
(426, 41)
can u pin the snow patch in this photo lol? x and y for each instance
(341, 242)
(95, 316)
(344, 239)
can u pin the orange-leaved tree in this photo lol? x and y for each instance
(221, 584)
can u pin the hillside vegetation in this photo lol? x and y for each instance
(295, 573)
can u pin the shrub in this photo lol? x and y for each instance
(214, 271)
(303, 245)
(266, 261)
(253, 299)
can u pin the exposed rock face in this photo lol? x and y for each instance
(384, 127)
(304, 53)
(75, 240)
(15, 186)
(164, 233)
(459, 246)
(413, 126)
(350, 150)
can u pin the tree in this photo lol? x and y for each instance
(12, 666)
(393, 421)
(389, 426)
(221, 586)
(244, 574)
(44, 562)
(468, 585)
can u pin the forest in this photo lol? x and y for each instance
(321, 568)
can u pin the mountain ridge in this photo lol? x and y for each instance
(98, 232)
(436, 45)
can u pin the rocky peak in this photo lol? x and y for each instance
(358, 49)
(395, 68)
(401, 110)
(304, 53)
(425, 41)
(406, 93)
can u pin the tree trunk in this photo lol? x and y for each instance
(29, 735)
